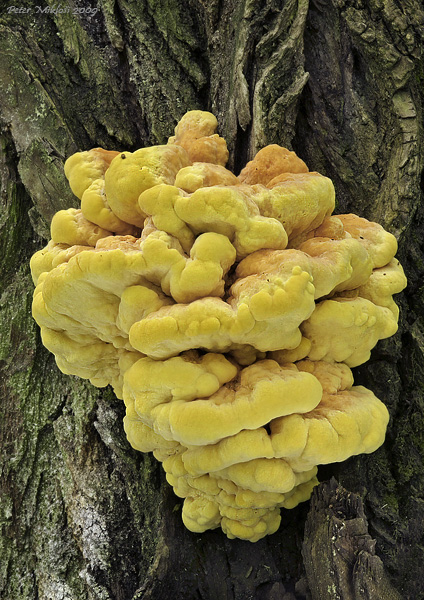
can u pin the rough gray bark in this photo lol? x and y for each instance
(339, 554)
(82, 515)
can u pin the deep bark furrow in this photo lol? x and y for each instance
(339, 553)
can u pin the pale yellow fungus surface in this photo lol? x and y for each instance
(226, 312)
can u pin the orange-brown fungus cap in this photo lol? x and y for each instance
(271, 162)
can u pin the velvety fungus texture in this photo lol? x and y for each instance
(226, 312)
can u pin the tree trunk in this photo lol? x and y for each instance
(83, 516)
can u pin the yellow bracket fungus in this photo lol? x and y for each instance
(226, 312)
(82, 168)
(202, 174)
(131, 173)
(95, 208)
(196, 133)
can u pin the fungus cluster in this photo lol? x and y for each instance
(226, 312)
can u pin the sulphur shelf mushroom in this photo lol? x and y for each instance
(226, 312)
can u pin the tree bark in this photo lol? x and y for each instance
(82, 515)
